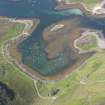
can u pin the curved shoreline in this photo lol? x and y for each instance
(99, 37)
(81, 6)
(24, 68)
(34, 74)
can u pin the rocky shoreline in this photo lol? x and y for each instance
(63, 6)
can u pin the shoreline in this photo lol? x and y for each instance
(24, 35)
(81, 6)
(99, 37)
(34, 74)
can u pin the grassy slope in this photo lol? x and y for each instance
(22, 85)
(84, 87)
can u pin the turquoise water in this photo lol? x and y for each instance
(67, 12)
(71, 12)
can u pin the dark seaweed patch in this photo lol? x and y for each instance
(7, 95)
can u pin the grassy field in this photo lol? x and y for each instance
(89, 3)
(83, 87)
